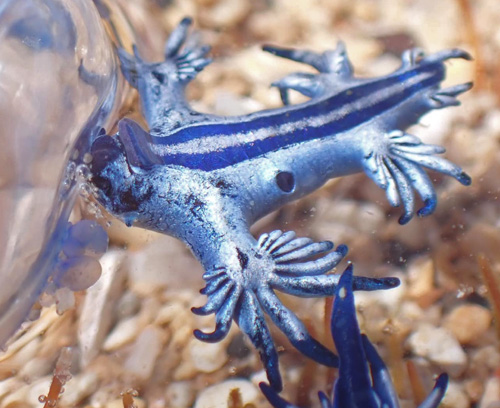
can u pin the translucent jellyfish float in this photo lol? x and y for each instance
(59, 87)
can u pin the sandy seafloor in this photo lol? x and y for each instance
(133, 330)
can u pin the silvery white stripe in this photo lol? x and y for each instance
(222, 141)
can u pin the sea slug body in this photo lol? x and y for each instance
(206, 179)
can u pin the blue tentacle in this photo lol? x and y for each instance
(381, 378)
(223, 318)
(294, 329)
(251, 321)
(363, 378)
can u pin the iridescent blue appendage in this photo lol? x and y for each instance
(395, 163)
(283, 263)
(363, 379)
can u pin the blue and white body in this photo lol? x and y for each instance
(363, 378)
(205, 179)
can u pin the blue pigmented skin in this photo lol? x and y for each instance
(363, 378)
(206, 179)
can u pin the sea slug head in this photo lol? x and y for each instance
(110, 173)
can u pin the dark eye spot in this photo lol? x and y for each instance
(103, 184)
(159, 76)
(285, 181)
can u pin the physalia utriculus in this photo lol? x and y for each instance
(59, 85)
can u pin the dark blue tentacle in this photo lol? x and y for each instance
(364, 381)
(381, 378)
(281, 261)
(325, 285)
(223, 317)
(251, 321)
(353, 387)
(274, 399)
(294, 329)
(437, 394)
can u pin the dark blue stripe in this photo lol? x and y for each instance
(228, 156)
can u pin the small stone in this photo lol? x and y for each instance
(491, 396)
(7, 386)
(455, 396)
(27, 392)
(207, 357)
(484, 360)
(199, 356)
(164, 263)
(420, 278)
(169, 313)
(118, 403)
(468, 323)
(179, 394)
(260, 376)
(128, 305)
(226, 13)
(123, 333)
(474, 389)
(35, 368)
(440, 347)
(411, 311)
(97, 312)
(217, 396)
(79, 388)
(144, 353)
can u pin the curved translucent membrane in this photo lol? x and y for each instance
(58, 85)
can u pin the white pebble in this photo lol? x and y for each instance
(35, 368)
(166, 262)
(440, 347)
(260, 376)
(491, 395)
(123, 333)
(28, 392)
(455, 396)
(217, 396)
(179, 394)
(207, 357)
(97, 311)
(6, 386)
(79, 388)
(144, 353)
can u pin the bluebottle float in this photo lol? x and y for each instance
(205, 179)
(363, 378)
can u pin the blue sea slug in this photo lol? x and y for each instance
(206, 179)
